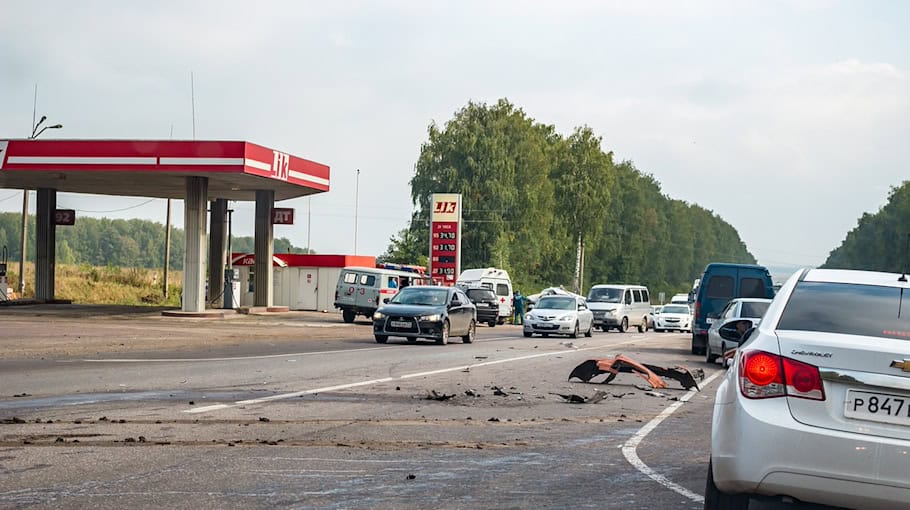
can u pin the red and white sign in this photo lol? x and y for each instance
(282, 216)
(445, 237)
(65, 217)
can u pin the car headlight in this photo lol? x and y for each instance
(432, 318)
(378, 315)
(529, 317)
(566, 317)
(611, 312)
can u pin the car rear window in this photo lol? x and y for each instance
(481, 294)
(755, 310)
(720, 287)
(850, 309)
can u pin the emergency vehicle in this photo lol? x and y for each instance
(494, 279)
(361, 290)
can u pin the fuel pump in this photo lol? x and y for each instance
(3, 284)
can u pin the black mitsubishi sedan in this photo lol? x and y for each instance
(433, 312)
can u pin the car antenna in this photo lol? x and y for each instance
(903, 277)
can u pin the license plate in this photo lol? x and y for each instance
(709, 320)
(400, 324)
(880, 407)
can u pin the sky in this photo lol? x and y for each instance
(789, 119)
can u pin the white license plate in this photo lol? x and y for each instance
(709, 320)
(880, 407)
(400, 324)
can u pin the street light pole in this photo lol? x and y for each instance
(23, 231)
(356, 204)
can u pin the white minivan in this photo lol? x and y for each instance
(494, 279)
(620, 306)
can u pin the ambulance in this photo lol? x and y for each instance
(494, 279)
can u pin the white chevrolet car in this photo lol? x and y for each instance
(673, 317)
(559, 315)
(816, 407)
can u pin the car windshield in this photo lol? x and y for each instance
(420, 296)
(557, 303)
(753, 309)
(851, 309)
(675, 309)
(605, 295)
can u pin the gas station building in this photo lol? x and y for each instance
(204, 174)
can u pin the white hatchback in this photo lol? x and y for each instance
(816, 406)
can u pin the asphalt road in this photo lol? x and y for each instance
(292, 412)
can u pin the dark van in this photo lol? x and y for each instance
(719, 284)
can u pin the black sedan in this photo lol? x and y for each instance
(433, 312)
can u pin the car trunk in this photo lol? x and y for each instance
(866, 382)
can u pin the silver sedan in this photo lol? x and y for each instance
(559, 315)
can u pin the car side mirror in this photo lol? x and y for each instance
(729, 331)
(385, 300)
(456, 302)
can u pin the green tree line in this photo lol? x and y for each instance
(532, 199)
(879, 242)
(118, 243)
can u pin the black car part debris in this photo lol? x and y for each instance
(650, 373)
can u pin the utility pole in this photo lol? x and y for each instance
(356, 203)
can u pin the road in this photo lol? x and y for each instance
(316, 415)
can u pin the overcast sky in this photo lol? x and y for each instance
(789, 119)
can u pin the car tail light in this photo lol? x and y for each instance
(803, 380)
(766, 375)
(697, 309)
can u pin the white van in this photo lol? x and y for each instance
(361, 290)
(620, 306)
(679, 299)
(494, 279)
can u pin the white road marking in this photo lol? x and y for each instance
(285, 396)
(263, 356)
(630, 446)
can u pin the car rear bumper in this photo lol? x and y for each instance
(758, 448)
(487, 315)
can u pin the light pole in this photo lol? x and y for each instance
(356, 203)
(24, 230)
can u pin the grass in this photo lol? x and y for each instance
(86, 284)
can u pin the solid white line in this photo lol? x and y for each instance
(307, 177)
(259, 165)
(202, 161)
(46, 160)
(629, 448)
(285, 396)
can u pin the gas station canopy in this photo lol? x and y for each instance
(158, 168)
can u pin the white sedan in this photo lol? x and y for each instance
(673, 317)
(559, 315)
(816, 406)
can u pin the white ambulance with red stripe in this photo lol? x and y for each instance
(361, 290)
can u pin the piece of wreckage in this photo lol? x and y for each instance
(650, 373)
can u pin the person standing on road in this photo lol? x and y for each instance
(518, 304)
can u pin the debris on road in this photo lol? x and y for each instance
(499, 392)
(432, 395)
(578, 399)
(650, 373)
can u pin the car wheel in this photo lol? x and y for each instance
(348, 316)
(574, 333)
(444, 339)
(469, 338)
(643, 326)
(717, 500)
(381, 339)
(710, 357)
(590, 332)
(492, 324)
(624, 325)
(528, 334)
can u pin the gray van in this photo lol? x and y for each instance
(620, 306)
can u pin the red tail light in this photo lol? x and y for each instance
(697, 309)
(766, 375)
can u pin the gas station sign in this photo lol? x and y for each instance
(282, 216)
(445, 237)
